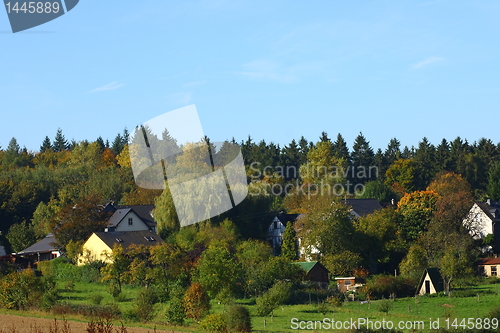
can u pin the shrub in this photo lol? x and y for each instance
(175, 312)
(323, 308)
(69, 285)
(238, 319)
(275, 296)
(87, 310)
(383, 286)
(96, 299)
(213, 323)
(196, 302)
(19, 290)
(384, 306)
(144, 305)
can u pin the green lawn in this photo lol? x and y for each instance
(406, 310)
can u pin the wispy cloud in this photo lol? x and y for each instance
(181, 98)
(426, 62)
(266, 69)
(110, 86)
(195, 83)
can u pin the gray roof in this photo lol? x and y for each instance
(127, 238)
(45, 245)
(363, 207)
(118, 216)
(143, 211)
(491, 208)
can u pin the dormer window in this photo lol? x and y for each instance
(130, 221)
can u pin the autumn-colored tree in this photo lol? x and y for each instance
(322, 167)
(78, 221)
(417, 209)
(196, 302)
(115, 270)
(454, 201)
(400, 175)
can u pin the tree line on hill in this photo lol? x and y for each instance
(39, 189)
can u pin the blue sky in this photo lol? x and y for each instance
(276, 70)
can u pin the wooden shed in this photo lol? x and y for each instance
(315, 272)
(431, 282)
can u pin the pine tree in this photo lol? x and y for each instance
(424, 163)
(60, 143)
(13, 147)
(100, 143)
(340, 149)
(291, 160)
(305, 146)
(362, 159)
(392, 153)
(324, 137)
(289, 247)
(494, 182)
(46, 144)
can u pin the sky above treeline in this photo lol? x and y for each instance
(274, 70)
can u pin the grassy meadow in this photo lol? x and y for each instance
(471, 302)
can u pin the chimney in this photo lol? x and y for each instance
(488, 201)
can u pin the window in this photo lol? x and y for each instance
(149, 238)
(275, 225)
(119, 240)
(130, 221)
(347, 282)
(493, 270)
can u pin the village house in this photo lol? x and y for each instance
(100, 245)
(489, 266)
(275, 231)
(482, 220)
(42, 250)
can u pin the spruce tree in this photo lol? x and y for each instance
(289, 247)
(60, 143)
(362, 159)
(100, 143)
(340, 149)
(46, 144)
(392, 153)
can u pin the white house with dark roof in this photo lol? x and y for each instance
(131, 218)
(483, 219)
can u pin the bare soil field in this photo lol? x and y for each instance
(19, 324)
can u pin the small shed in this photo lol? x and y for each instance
(315, 272)
(345, 284)
(431, 282)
